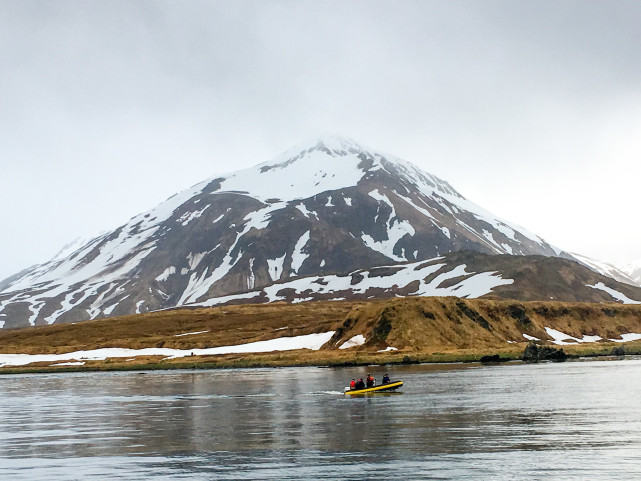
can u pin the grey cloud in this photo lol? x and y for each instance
(126, 102)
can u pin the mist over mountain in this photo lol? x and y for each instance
(633, 270)
(328, 208)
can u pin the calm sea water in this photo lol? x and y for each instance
(576, 420)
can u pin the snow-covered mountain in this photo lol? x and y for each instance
(633, 270)
(628, 275)
(331, 207)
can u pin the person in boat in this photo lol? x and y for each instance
(370, 380)
(352, 385)
(386, 379)
(360, 384)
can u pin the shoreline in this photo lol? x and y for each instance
(321, 359)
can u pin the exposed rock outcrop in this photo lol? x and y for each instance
(534, 353)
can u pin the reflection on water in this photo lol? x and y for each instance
(571, 421)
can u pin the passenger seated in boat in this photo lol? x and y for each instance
(370, 380)
(360, 384)
(386, 379)
(352, 385)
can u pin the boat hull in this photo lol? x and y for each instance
(381, 388)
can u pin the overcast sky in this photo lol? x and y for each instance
(530, 109)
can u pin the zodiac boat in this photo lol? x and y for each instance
(387, 387)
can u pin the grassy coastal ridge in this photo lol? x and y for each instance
(427, 329)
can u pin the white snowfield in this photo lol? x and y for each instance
(333, 286)
(563, 339)
(309, 341)
(629, 337)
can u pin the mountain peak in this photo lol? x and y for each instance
(333, 145)
(337, 143)
(327, 163)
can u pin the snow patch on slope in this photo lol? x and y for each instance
(275, 267)
(298, 257)
(357, 340)
(187, 217)
(629, 337)
(563, 339)
(307, 213)
(251, 279)
(619, 296)
(166, 273)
